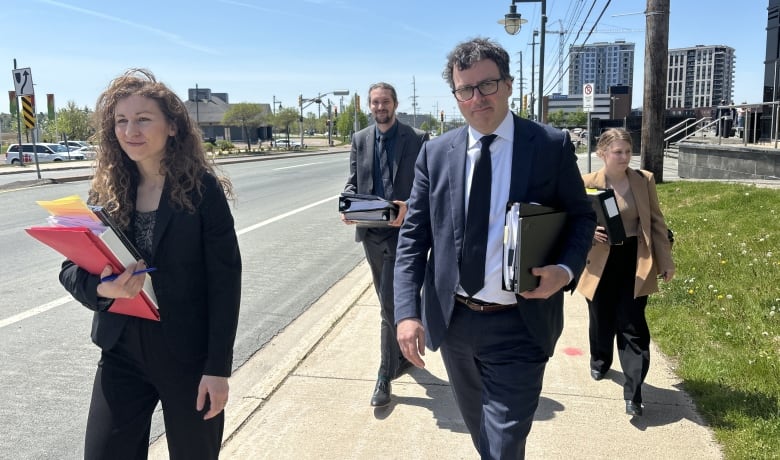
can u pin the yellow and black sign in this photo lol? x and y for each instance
(28, 115)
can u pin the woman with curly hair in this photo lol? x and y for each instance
(154, 178)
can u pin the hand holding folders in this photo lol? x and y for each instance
(531, 235)
(76, 232)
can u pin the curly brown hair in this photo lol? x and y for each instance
(184, 162)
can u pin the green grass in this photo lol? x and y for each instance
(719, 319)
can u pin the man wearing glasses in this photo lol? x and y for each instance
(448, 273)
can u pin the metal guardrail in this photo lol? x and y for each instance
(739, 117)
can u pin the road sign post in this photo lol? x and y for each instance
(587, 97)
(587, 107)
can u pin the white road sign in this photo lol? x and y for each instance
(23, 82)
(587, 97)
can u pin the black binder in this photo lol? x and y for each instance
(607, 214)
(367, 210)
(531, 235)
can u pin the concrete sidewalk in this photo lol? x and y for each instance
(306, 396)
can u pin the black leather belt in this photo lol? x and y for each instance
(483, 307)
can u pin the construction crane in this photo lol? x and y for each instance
(617, 31)
(560, 33)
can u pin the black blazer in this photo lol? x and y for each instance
(361, 163)
(197, 282)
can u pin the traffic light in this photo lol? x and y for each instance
(335, 112)
(441, 116)
(300, 100)
(357, 102)
(525, 101)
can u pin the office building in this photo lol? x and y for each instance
(602, 64)
(700, 76)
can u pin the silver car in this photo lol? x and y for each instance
(46, 153)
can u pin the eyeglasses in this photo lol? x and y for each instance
(486, 88)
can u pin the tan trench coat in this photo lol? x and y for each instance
(654, 251)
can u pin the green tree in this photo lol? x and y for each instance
(285, 117)
(247, 115)
(74, 122)
(578, 119)
(47, 129)
(557, 118)
(346, 120)
(310, 122)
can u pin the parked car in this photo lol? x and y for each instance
(289, 145)
(89, 152)
(46, 153)
(73, 145)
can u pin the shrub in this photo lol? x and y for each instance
(225, 145)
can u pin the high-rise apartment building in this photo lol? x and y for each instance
(603, 64)
(700, 76)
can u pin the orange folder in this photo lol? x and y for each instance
(92, 253)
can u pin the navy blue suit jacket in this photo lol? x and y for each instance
(544, 170)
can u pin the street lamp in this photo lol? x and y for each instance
(318, 100)
(512, 22)
(612, 109)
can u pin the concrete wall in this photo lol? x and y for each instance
(712, 161)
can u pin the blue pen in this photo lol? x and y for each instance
(137, 272)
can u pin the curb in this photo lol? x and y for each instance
(255, 381)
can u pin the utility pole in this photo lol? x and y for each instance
(520, 83)
(533, 57)
(654, 103)
(414, 103)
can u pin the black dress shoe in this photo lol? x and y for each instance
(381, 396)
(633, 409)
(596, 375)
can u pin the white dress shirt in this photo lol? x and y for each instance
(501, 161)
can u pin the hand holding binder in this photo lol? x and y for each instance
(367, 210)
(607, 214)
(531, 234)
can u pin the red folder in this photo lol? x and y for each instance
(92, 253)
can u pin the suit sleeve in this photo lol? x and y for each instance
(223, 266)
(351, 185)
(661, 247)
(581, 219)
(414, 242)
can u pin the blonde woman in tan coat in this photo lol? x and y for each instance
(619, 277)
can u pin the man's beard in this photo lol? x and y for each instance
(383, 117)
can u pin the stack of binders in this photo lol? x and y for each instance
(367, 210)
(607, 214)
(531, 235)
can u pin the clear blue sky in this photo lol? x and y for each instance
(256, 50)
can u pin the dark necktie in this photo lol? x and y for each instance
(387, 181)
(472, 264)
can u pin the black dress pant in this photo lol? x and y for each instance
(615, 312)
(131, 378)
(496, 370)
(379, 245)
